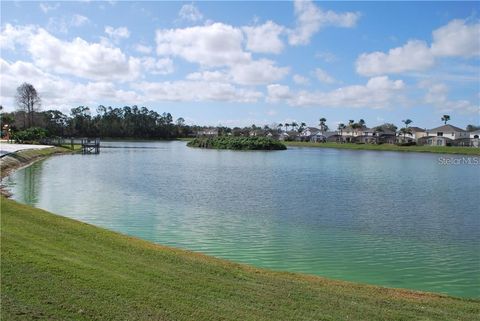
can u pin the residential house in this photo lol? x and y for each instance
(444, 136)
(208, 132)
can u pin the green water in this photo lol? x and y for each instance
(394, 219)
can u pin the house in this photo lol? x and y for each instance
(311, 134)
(208, 132)
(448, 131)
(435, 141)
(444, 136)
(417, 132)
(289, 136)
(475, 134)
(257, 133)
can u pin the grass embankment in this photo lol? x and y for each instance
(24, 157)
(54, 268)
(237, 143)
(395, 148)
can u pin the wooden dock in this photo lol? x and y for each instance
(90, 145)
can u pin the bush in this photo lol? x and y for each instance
(237, 143)
(30, 135)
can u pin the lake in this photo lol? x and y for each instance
(394, 219)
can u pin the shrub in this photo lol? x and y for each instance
(237, 143)
(30, 135)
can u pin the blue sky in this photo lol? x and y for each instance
(243, 63)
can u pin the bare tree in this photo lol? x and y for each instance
(28, 101)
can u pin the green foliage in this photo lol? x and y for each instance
(237, 143)
(32, 134)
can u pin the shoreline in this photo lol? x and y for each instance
(451, 150)
(83, 257)
(37, 155)
(23, 158)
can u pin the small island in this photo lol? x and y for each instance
(237, 143)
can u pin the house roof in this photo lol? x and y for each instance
(416, 129)
(446, 128)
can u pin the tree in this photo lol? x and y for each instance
(341, 127)
(472, 128)
(407, 122)
(294, 125)
(445, 118)
(302, 126)
(323, 125)
(286, 126)
(280, 126)
(28, 101)
(361, 123)
(405, 131)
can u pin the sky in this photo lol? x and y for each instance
(242, 63)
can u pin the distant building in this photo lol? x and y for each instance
(448, 131)
(445, 135)
(208, 132)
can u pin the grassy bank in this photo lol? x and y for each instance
(54, 268)
(237, 143)
(24, 157)
(395, 148)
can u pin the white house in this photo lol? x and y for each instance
(475, 134)
(447, 131)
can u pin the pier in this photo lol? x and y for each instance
(90, 145)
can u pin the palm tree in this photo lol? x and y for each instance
(407, 122)
(361, 123)
(445, 118)
(323, 126)
(280, 126)
(302, 126)
(351, 124)
(286, 126)
(294, 125)
(405, 131)
(341, 127)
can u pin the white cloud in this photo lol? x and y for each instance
(196, 91)
(78, 57)
(326, 56)
(56, 91)
(413, 56)
(117, 33)
(211, 76)
(323, 76)
(278, 93)
(213, 45)
(161, 66)
(48, 7)
(265, 38)
(379, 92)
(79, 20)
(300, 80)
(437, 96)
(457, 39)
(190, 13)
(310, 19)
(143, 49)
(11, 36)
(258, 72)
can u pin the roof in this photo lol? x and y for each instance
(416, 129)
(446, 128)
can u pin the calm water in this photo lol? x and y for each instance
(394, 219)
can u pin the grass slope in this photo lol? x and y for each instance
(395, 148)
(54, 268)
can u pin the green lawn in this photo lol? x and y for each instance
(54, 268)
(389, 147)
